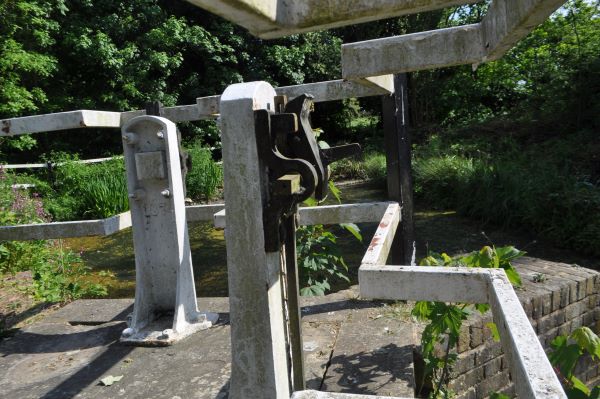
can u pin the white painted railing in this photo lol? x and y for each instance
(330, 214)
(532, 373)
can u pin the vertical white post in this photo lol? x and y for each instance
(259, 358)
(165, 308)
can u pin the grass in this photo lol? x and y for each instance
(545, 183)
(89, 191)
(205, 178)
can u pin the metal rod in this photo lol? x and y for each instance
(293, 293)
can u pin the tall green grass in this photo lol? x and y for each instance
(545, 189)
(205, 177)
(370, 167)
(89, 191)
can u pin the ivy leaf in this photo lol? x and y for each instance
(579, 389)
(482, 307)
(564, 356)
(508, 253)
(422, 310)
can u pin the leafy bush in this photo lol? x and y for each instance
(551, 189)
(205, 176)
(59, 278)
(319, 258)
(440, 179)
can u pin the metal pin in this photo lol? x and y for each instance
(166, 193)
(160, 135)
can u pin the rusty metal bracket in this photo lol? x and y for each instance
(286, 146)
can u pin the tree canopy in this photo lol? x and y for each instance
(59, 55)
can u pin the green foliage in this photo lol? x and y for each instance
(566, 352)
(89, 191)
(205, 177)
(550, 188)
(26, 31)
(319, 258)
(444, 320)
(372, 166)
(56, 271)
(59, 277)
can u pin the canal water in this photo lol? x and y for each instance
(112, 262)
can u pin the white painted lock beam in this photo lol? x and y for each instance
(259, 367)
(59, 121)
(79, 228)
(312, 394)
(205, 107)
(270, 19)
(327, 214)
(532, 373)
(506, 22)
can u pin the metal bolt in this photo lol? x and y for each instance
(130, 138)
(166, 193)
(160, 135)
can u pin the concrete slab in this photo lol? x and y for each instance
(373, 357)
(70, 351)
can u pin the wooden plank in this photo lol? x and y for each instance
(529, 366)
(329, 214)
(413, 52)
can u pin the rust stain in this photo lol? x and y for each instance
(383, 225)
(373, 244)
(82, 124)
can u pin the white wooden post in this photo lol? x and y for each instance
(165, 308)
(259, 366)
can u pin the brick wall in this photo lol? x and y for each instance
(564, 298)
